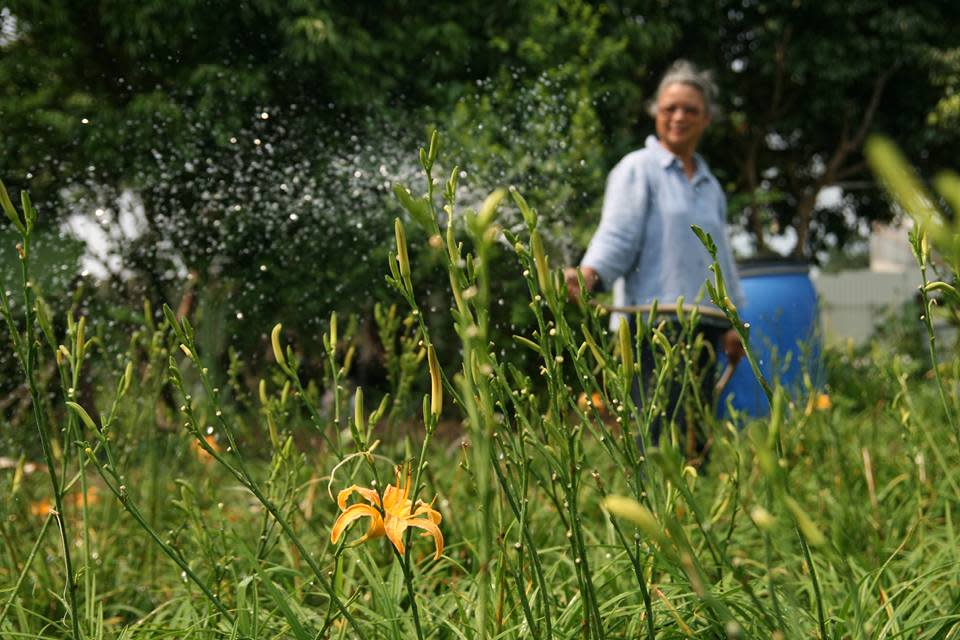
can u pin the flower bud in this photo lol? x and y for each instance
(402, 258)
(127, 378)
(763, 518)
(277, 349)
(82, 414)
(626, 351)
(436, 382)
(540, 260)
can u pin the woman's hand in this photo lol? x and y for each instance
(590, 277)
(732, 347)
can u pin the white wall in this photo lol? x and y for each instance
(851, 302)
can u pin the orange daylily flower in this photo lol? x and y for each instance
(398, 513)
(44, 506)
(595, 400)
(202, 454)
(41, 507)
(818, 402)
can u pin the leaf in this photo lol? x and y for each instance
(900, 179)
(8, 209)
(419, 208)
(282, 600)
(706, 240)
(947, 183)
(29, 212)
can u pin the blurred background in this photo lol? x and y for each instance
(236, 160)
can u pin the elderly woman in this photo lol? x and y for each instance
(652, 197)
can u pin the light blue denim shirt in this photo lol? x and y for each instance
(644, 235)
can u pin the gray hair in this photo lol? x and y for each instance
(685, 72)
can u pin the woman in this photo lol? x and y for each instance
(652, 198)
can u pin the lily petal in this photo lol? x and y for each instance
(432, 514)
(369, 494)
(392, 496)
(394, 529)
(431, 529)
(375, 530)
(354, 512)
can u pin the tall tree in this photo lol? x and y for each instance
(805, 83)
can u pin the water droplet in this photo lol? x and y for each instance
(264, 115)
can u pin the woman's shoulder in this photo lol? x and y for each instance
(638, 161)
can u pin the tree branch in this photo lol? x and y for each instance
(834, 170)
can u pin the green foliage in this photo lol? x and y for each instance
(804, 84)
(946, 74)
(190, 513)
(158, 108)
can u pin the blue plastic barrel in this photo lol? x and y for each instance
(781, 308)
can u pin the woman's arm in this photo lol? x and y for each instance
(615, 244)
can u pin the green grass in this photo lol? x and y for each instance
(207, 517)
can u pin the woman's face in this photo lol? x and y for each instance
(681, 118)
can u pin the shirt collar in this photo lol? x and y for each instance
(667, 159)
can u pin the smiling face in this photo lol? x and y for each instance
(681, 118)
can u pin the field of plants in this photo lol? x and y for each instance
(518, 498)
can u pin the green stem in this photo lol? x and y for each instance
(931, 346)
(821, 618)
(131, 508)
(528, 537)
(408, 580)
(26, 569)
(243, 475)
(28, 355)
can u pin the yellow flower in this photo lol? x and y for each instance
(397, 514)
(41, 507)
(818, 402)
(202, 454)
